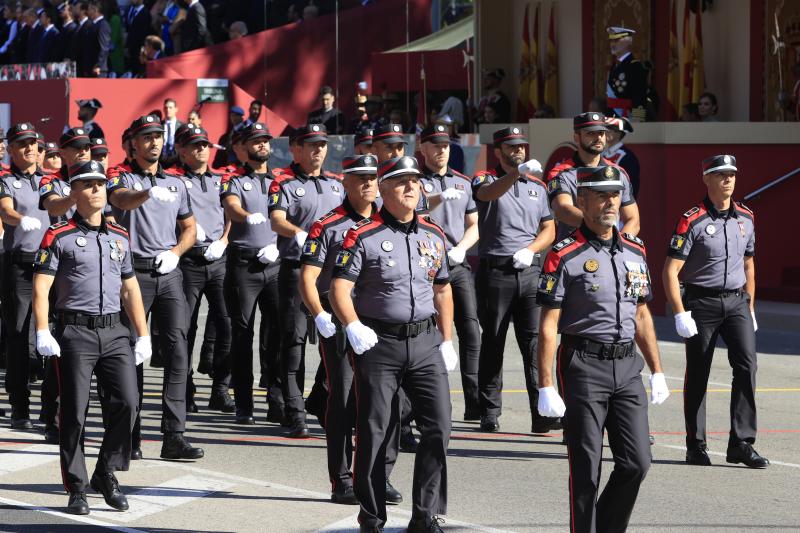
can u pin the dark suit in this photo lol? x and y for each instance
(194, 30)
(333, 119)
(21, 43)
(627, 86)
(80, 40)
(67, 35)
(169, 156)
(50, 46)
(32, 47)
(138, 28)
(99, 47)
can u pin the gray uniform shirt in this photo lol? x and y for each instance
(714, 245)
(55, 184)
(596, 284)
(450, 213)
(253, 192)
(89, 265)
(204, 193)
(24, 191)
(394, 267)
(305, 199)
(152, 224)
(511, 222)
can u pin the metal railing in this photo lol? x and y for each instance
(771, 184)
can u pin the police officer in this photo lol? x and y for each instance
(87, 306)
(52, 157)
(396, 263)
(713, 250)
(362, 142)
(590, 139)
(100, 151)
(87, 110)
(203, 266)
(75, 147)
(451, 206)
(594, 288)
(515, 227)
(24, 224)
(149, 202)
(319, 253)
(626, 89)
(388, 142)
(619, 154)
(253, 264)
(299, 195)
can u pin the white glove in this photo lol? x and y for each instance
(268, 254)
(523, 258)
(162, 194)
(201, 233)
(30, 224)
(361, 337)
(659, 392)
(755, 324)
(166, 262)
(685, 325)
(451, 194)
(143, 349)
(215, 250)
(449, 355)
(325, 324)
(531, 167)
(256, 218)
(456, 255)
(550, 403)
(46, 344)
(300, 238)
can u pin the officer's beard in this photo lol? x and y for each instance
(260, 158)
(608, 220)
(513, 160)
(150, 158)
(590, 149)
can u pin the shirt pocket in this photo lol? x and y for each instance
(713, 245)
(392, 268)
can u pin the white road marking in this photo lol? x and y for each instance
(397, 521)
(82, 519)
(14, 460)
(720, 454)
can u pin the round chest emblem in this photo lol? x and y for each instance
(247, 186)
(300, 192)
(711, 230)
(67, 190)
(428, 187)
(17, 184)
(80, 241)
(387, 246)
(591, 265)
(137, 186)
(189, 185)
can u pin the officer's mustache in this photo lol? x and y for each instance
(261, 158)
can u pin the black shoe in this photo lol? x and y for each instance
(20, 422)
(429, 524)
(745, 454)
(106, 484)
(262, 382)
(77, 503)
(545, 424)
(136, 454)
(344, 495)
(204, 367)
(2, 412)
(191, 407)
(470, 416)
(245, 419)
(393, 496)
(408, 442)
(698, 457)
(51, 433)
(298, 430)
(175, 446)
(489, 423)
(222, 401)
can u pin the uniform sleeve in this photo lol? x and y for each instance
(315, 249)
(120, 181)
(126, 269)
(230, 188)
(278, 198)
(46, 260)
(45, 191)
(5, 190)
(750, 249)
(350, 260)
(682, 240)
(472, 207)
(557, 185)
(185, 209)
(627, 190)
(552, 282)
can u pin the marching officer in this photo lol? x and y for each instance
(253, 265)
(299, 195)
(87, 307)
(150, 203)
(396, 263)
(515, 227)
(619, 154)
(594, 288)
(100, 151)
(626, 89)
(52, 157)
(54, 197)
(203, 266)
(24, 224)
(388, 142)
(590, 138)
(451, 206)
(319, 252)
(713, 250)
(362, 142)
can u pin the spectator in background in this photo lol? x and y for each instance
(167, 17)
(310, 12)
(398, 116)
(99, 41)
(327, 114)
(23, 31)
(707, 107)
(226, 156)
(237, 30)
(153, 49)
(68, 29)
(456, 160)
(493, 96)
(116, 57)
(50, 44)
(194, 118)
(253, 113)
(171, 124)
(599, 104)
(453, 108)
(32, 50)
(489, 114)
(8, 33)
(137, 22)
(361, 122)
(690, 113)
(544, 111)
(194, 29)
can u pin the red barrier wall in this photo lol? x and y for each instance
(33, 100)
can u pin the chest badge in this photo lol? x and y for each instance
(300, 192)
(428, 187)
(533, 194)
(387, 246)
(594, 288)
(80, 241)
(335, 188)
(172, 188)
(66, 190)
(591, 265)
(711, 230)
(17, 184)
(137, 187)
(189, 184)
(247, 186)
(117, 250)
(742, 229)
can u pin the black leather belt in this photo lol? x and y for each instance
(144, 263)
(599, 350)
(507, 261)
(19, 257)
(702, 292)
(242, 253)
(198, 255)
(401, 331)
(89, 321)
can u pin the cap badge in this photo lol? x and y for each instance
(149, 119)
(79, 131)
(300, 192)
(247, 186)
(609, 172)
(515, 131)
(387, 246)
(591, 265)
(314, 128)
(439, 128)
(80, 241)
(727, 159)
(258, 127)
(595, 116)
(711, 230)
(395, 128)
(23, 127)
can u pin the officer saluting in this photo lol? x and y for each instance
(87, 307)
(75, 147)
(594, 288)
(713, 250)
(397, 265)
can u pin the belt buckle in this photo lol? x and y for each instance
(413, 329)
(93, 320)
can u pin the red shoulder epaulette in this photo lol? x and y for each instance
(460, 175)
(741, 208)
(325, 220)
(634, 241)
(176, 170)
(361, 227)
(328, 174)
(50, 178)
(55, 230)
(560, 249)
(116, 227)
(689, 217)
(275, 186)
(560, 167)
(116, 170)
(4, 167)
(427, 222)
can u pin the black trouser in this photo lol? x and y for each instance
(17, 290)
(729, 317)
(465, 310)
(604, 394)
(417, 363)
(249, 283)
(294, 329)
(208, 346)
(202, 277)
(106, 351)
(505, 293)
(163, 295)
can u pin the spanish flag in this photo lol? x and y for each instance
(536, 77)
(698, 68)
(673, 73)
(523, 97)
(551, 79)
(686, 59)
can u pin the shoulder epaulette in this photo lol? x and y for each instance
(361, 227)
(426, 220)
(561, 250)
(117, 227)
(689, 218)
(560, 245)
(460, 175)
(635, 241)
(178, 171)
(55, 230)
(481, 176)
(741, 207)
(561, 166)
(690, 212)
(328, 174)
(116, 170)
(5, 172)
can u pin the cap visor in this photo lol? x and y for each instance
(604, 188)
(514, 142)
(439, 139)
(722, 168)
(394, 139)
(594, 128)
(198, 140)
(260, 135)
(149, 129)
(77, 143)
(24, 136)
(311, 138)
(89, 176)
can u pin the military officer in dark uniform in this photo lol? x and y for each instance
(87, 110)
(362, 142)
(388, 142)
(396, 263)
(594, 289)
(89, 336)
(299, 195)
(150, 203)
(626, 89)
(24, 224)
(713, 250)
(515, 227)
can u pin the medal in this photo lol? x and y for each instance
(591, 265)
(80, 241)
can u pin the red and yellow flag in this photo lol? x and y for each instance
(673, 72)
(535, 86)
(523, 96)
(686, 59)
(698, 68)
(551, 78)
